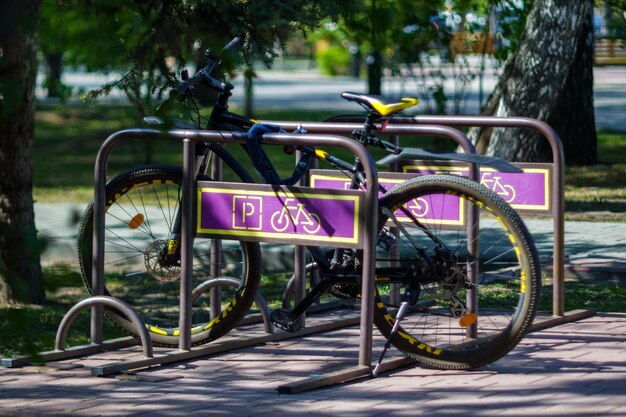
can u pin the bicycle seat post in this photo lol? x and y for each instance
(369, 124)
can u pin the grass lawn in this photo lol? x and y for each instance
(598, 192)
(67, 139)
(28, 329)
(66, 142)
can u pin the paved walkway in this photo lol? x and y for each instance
(577, 369)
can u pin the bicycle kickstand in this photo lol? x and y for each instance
(396, 325)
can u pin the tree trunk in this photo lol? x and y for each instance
(20, 270)
(248, 89)
(550, 78)
(374, 72)
(54, 68)
(575, 119)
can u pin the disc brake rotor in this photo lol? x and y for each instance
(159, 272)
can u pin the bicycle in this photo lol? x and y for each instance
(453, 321)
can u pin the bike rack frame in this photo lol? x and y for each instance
(319, 134)
(558, 204)
(185, 351)
(188, 138)
(405, 125)
(433, 129)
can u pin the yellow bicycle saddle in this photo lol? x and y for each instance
(384, 106)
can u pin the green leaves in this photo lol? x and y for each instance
(149, 41)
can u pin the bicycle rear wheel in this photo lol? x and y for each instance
(141, 207)
(454, 321)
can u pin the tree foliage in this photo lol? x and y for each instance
(615, 15)
(150, 39)
(414, 33)
(83, 36)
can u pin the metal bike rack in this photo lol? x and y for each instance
(188, 138)
(558, 209)
(441, 126)
(185, 351)
(95, 302)
(102, 300)
(394, 130)
(319, 134)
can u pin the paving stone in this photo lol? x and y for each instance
(558, 371)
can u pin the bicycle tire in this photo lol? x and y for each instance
(438, 331)
(140, 207)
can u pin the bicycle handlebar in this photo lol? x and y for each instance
(204, 76)
(233, 44)
(260, 160)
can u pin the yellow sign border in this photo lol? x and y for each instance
(529, 207)
(277, 236)
(385, 178)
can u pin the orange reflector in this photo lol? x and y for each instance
(136, 221)
(468, 319)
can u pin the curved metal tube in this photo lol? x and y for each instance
(111, 302)
(234, 282)
(432, 129)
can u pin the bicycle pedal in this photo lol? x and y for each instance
(284, 320)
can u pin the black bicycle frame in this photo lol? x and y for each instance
(222, 119)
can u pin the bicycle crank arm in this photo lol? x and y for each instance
(315, 293)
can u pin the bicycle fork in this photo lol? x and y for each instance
(170, 254)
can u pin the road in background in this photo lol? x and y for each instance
(307, 89)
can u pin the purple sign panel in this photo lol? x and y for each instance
(293, 215)
(435, 208)
(527, 191)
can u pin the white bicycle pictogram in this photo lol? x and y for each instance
(494, 183)
(296, 215)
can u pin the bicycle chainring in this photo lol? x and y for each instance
(345, 291)
(350, 264)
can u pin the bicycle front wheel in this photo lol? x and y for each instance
(142, 205)
(468, 270)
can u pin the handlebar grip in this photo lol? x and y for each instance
(233, 44)
(213, 82)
